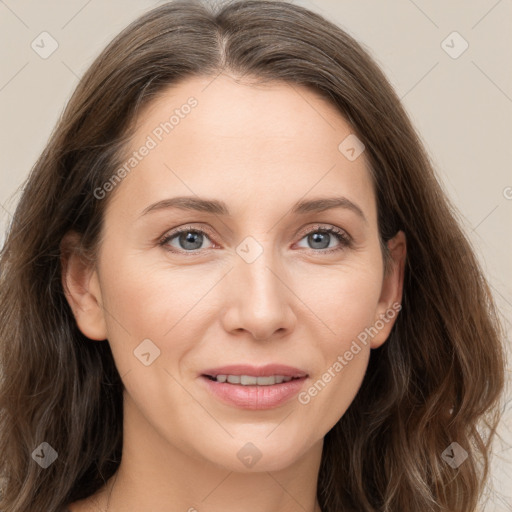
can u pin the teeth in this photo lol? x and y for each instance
(250, 380)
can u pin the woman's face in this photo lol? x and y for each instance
(257, 281)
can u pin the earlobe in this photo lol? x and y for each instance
(392, 289)
(82, 289)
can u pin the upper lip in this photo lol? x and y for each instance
(256, 371)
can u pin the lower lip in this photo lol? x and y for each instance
(254, 397)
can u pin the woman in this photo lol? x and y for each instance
(327, 343)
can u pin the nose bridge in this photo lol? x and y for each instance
(259, 301)
(257, 269)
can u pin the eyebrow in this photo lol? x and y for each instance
(220, 208)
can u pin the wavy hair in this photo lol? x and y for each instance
(438, 378)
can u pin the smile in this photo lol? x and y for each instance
(251, 380)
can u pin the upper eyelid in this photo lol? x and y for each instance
(173, 232)
(322, 227)
(306, 230)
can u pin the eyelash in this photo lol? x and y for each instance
(344, 239)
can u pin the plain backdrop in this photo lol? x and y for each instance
(448, 61)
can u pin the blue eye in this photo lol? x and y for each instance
(190, 240)
(320, 239)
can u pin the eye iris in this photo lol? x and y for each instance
(319, 238)
(196, 239)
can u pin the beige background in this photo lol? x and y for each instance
(461, 106)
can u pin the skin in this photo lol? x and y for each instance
(258, 148)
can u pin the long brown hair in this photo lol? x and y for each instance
(437, 379)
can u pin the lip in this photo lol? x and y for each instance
(256, 371)
(254, 397)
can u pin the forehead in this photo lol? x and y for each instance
(266, 143)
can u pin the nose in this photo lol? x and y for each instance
(258, 298)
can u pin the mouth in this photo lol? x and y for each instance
(251, 380)
(249, 387)
(248, 375)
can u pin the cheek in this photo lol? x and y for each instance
(144, 301)
(346, 301)
(344, 359)
(345, 298)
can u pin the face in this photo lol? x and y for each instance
(264, 277)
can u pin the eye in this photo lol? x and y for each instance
(188, 239)
(320, 239)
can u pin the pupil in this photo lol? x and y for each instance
(191, 237)
(320, 238)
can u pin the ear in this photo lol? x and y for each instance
(82, 288)
(392, 288)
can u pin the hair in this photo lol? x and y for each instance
(437, 379)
